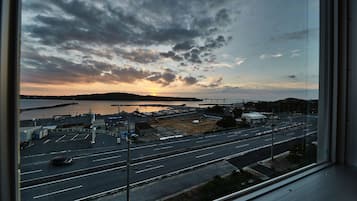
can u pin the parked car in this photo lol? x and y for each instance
(61, 160)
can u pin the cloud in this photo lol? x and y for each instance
(55, 70)
(187, 45)
(222, 17)
(143, 56)
(220, 65)
(292, 76)
(172, 55)
(119, 23)
(270, 56)
(189, 80)
(295, 35)
(295, 53)
(213, 84)
(239, 60)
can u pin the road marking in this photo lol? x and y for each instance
(162, 148)
(229, 136)
(245, 135)
(74, 137)
(86, 136)
(209, 136)
(148, 169)
(146, 146)
(266, 140)
(46, 141)
(31, 172)
(203, 155)
(200, 141)
(108, 158)
(243, 145)
(56, 192)
(178, 141)
(59, 139)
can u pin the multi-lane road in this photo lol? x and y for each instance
(98, 171)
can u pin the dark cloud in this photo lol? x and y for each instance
(292, 76)
(172, 55)
(78, 32)
(110, 24)
(187, 45)
(139, 55)
(189, 80)
(39, 68)
(222, 17)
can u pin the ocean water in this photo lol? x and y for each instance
(100, 107)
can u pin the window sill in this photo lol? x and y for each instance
(329, 184)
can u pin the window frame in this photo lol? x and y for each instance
(9, 89)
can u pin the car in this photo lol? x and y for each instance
(61, 160)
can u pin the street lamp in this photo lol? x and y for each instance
(272, 142)
(131, 128)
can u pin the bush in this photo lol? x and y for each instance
(227, 122)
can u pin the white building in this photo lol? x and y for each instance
(254, 118)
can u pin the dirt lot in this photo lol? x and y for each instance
(185, 125)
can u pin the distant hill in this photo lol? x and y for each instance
(286, 105)
(112, 97)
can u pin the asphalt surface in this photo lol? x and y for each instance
(150, 161)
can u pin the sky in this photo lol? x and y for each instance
(238, 49)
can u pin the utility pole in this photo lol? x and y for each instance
(128, 169)
(130, 130)
(272, 142)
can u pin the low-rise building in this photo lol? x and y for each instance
(254, 118)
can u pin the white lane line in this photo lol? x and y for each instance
(229, 136)
(245, 135)
(162, 148)
(108, 158)
(74, 137)
(146, 146)
(46, 141)
(266, 140)
(86, 136)
(178, 141)
(203, 155)
(59, 139)
(200, 141)
(243, 145)
(56, 192)
(148, 169)
(209, 136)
(31, 172)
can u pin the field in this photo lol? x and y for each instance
(185, 126)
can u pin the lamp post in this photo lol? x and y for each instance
(272, 142)
(131, 127)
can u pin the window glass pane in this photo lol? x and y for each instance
(209, 97)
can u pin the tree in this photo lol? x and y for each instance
(215, 109)
(226, 122)
(237, 112)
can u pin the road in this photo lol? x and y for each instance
(152, 162)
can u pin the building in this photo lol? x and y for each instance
(254, 118)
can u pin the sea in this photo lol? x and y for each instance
(103, 107)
